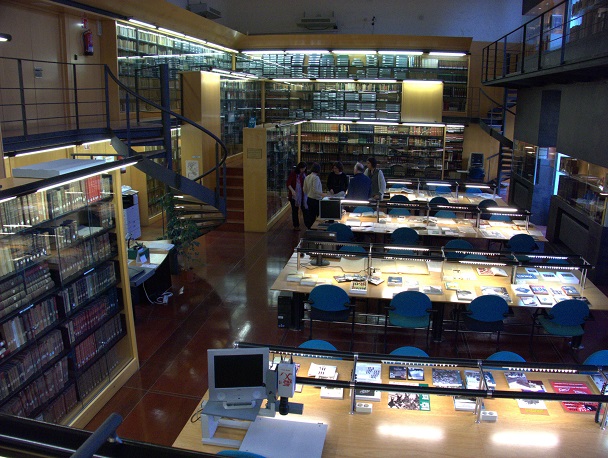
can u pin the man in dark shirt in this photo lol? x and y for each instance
(360, 186)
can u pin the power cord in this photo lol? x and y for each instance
(162, 299)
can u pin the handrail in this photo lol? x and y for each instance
(495, 102)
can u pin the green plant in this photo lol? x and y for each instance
(182, 232)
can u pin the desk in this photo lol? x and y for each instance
(463, 198)
(440, 432)
(435, 277)
(156, 273)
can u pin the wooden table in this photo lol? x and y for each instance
(434, 275)
(442, 431)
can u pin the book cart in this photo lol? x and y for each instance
(67, 341)
(439, 406)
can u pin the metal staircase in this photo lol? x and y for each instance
(205, 206)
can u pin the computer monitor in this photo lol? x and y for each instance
(330, 210)
(237, 376)
(313, 238)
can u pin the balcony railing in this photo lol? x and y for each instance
(572, 32)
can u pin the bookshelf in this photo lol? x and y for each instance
(454, 141)
(67, 339)
(240, 101)
(401, 150)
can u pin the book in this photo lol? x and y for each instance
(570, 291)
(599, 381)
(464, 403)
(472, 379)
(495, 271)
(568, 277)
(451, 285)
(376, 280)
(368, 372)
(409, 401)
(522, 290)
(431, 290)
(539, 289)
(564, 387)
(397, 372)
(358, 287)
(411, 285)
(309, 280)
(395, 281)
(332, 393)
(362, 394)
(322, 370)
(447, 378)
(500, 291)
(545, 300)
(415, 373)
(516, 380)
(529, 301)
(531, 270)
(532, 407)
(535, 386)
(524, 278)
(465, 295)
(548, 276)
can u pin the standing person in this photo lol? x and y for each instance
(337, 181)
(360, 186)
(314, 190)
(297, 196)
(377, 177)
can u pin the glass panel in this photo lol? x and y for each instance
(282, 152)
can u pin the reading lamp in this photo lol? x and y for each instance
(5, 37)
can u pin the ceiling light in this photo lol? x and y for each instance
(447, 54)
(142, 23)
(255, 52)
(401, 53)
(353, 51)
(5, 37)
(171, 32)
(306, 51)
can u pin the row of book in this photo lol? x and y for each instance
(92, 315)
(27, 210)
(61, 406)
(87, 287)
(40, 391)
(20, 252)
(97, 342)
(23, 289)
(73, 259)
(20, 368)
(23, 328)
(97, 373)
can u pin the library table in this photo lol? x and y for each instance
(155, 274)
(442, 431)
(463, 198)
(427, 275)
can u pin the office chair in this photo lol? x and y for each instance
(404, 236)
(443, 190)
(409, 351)
(485, 204)
(507, 356)
(399, 198)
(599, 358)
(521, 243)
(483, 314)
(352, 249)
(439, 200)
(504, 218)
(399, 212)
(330, 303)
(363, 209)
(457, 244)
(411, 310)
(564, 319)
(343, 232)
(445, 214)
(317, 344)
(473, 191)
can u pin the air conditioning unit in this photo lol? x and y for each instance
(202, 9)
(318, 23)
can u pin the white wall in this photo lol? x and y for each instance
(484, 20)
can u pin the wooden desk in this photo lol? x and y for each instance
(440, 432)
(597, 300)
(156, 275)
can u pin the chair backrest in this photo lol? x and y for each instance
(343, 232)
(445, 214)
(521, 243)
(487, 203)
(399, 198)
(239, 454)
(488, 308)
(599, 358)
(363, 209)
(411, 303)
(316, 344)
(409, 351)
(477, 257)
(443, 190)
(439, 200)
(504, 218)
(399, 212)
(571, 312)
(506, 356)
(404, 236)
(473, 191)
(352, 249)
(329, 298)
(457, 244)
(401, 251)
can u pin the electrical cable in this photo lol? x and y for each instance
(162, 299)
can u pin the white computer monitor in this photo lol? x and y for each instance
(237, 376)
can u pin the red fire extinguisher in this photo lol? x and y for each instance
(87, 38)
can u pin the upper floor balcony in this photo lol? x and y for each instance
(567, 43)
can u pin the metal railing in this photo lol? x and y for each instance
(565, 34)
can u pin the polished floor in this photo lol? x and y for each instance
(229, 299)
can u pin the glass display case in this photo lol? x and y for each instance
(524, 160)
(282, 156)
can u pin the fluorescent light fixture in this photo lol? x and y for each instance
(96, 142)
(398, 182)
(400, 53)
(172, 32)
(354, 51)
(423, 82)
(256, 52)
(292, 80)
(482, 263)
(306, 51)
(329, 121)
(356, 202)
(7, 199)
(330, 80)
(422, 124)
(378, 123)
(195, 39)
(377, 81)
(142, 23)
(401, 247)
(478, 186)
(63, 183)
(220, 47)
(5, 37)
(447, 54)
(439, 183)
(45, 150)
(502, 209)
(455, 126)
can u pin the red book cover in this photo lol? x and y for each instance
(574, 388)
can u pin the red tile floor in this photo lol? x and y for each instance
(230, 300)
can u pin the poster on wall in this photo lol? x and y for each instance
(192, 170)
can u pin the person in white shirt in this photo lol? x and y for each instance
(314, 190)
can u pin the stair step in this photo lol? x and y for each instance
(202, 216)
(200, 208)
(234, 181)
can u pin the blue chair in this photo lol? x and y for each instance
(404, 236)
(476, 257)
(399, 212)
(599, 358)
(363, 209)
(507, 356)
(352, 249)
(521, 243)
(457, 244)
(239, 454)
(439, 200)
(343, 232)
(443, 190)
(474, 191)
(330, 303)
(445, 214)
(401, 251)
(485, 204)
(409, 351)
(317, 344)
(564, 319)
(411, 310)
(484, 314)
(399, 198)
